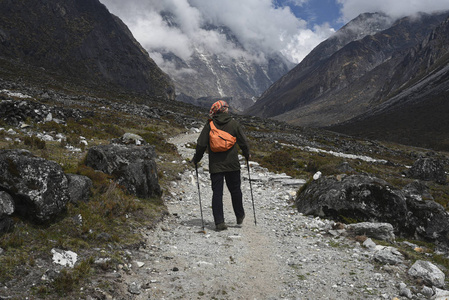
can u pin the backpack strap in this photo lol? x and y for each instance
(212, 124)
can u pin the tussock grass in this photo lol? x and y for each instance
(111, 220)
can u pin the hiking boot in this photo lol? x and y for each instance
(240, 220)
(221, 226)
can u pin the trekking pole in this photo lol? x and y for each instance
(251, 188)
(199, 196)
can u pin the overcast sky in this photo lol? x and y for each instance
(293, 27)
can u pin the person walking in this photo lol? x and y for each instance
(223, 165)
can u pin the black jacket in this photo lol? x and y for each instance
(222, 161)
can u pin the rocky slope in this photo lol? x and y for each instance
(333, 86)
(419, 108)
(79, 42)
(286, 255)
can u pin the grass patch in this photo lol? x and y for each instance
(282, 162)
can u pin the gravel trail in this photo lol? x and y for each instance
(285, 256)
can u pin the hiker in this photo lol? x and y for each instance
(223, 165)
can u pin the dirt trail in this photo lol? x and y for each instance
(286, 256)
(232, 264)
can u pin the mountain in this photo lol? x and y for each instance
(346, 76)
(418, 113)
(80, 41)
(211, 76)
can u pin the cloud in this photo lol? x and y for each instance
(306, 40)
(260, 27)
(395, 9)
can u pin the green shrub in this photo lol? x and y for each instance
(281, 161)
(159, 143)
(34, 142)
(113, 130)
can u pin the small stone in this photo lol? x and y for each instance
(134, 288)
(427, 291)
(368, 243)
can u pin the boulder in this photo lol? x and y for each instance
(357, 197)
(369, 199)
(79, 188)
(428, 272)
(388, 255)
(39, 187)
(132, 166)
(429, 169)
(380, 231)
(428, 221)
(6, 209)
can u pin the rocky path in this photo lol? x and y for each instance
(285, 256)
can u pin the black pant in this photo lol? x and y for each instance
(233, 182)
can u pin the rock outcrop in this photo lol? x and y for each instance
(366, 198)
(428, 169)
(132, 166)
(356, 197)
(39, 187)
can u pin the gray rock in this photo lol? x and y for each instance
(130, 139)
(406, 292)
(79, 188)
(360, 197)
(370, 199)
(428, 272)
(417, 190)
(427, 291)
(368, 243)
(380, 231)
(133, 167)
(440, 294)
(428, 168)
(428, 220)
(6, 205)
(134, 288)
(388, 255)
(6, 209)
(39, 187)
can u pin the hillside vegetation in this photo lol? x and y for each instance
(113, 219)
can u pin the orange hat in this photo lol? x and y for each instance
(218, 107)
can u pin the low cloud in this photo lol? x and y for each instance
(395, 9)
(259, 26)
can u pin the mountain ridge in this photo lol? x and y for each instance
(423, 99)
(206, 76)
(326, 90)
(82, 42)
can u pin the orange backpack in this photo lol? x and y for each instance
(219, 140)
